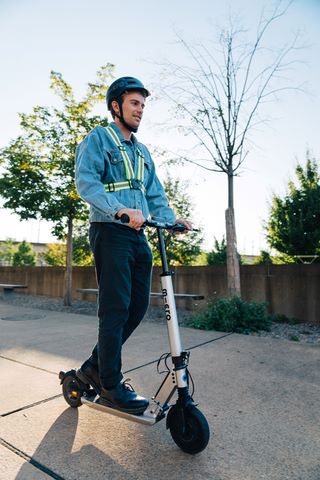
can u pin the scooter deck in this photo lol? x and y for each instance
(147, 418)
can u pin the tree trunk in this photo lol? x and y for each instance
(68, 273)
(233, 269)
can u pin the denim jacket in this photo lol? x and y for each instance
(99, 162)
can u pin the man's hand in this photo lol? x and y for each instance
(186, 223)
(136, 217)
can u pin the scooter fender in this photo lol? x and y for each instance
(176, 414)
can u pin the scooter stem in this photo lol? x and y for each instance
(163, 255)
(171, 316)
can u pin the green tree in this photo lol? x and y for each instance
(82, 255)
(38, 180)
(181, 249)
(264, 258)
(56, 253)
(7, 251)
(218, 255)
(24, 256)
(293, 227)
(200, 260)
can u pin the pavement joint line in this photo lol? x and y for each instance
(210, 341)
(28, 365)
(45, 400)
(189, 348)
(30, 460)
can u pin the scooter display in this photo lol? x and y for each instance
(186, 423)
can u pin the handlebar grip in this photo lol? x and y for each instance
(125, 218)
(179, 227)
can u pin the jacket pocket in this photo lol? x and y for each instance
(114, 169)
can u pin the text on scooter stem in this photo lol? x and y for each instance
(166, 306)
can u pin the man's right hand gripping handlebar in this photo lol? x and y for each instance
(138, 221)
(132, 217)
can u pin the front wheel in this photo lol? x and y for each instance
(189, 428)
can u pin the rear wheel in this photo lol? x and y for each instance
(72, 389)
(189, 428)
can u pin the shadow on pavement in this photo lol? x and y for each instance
(55, 455)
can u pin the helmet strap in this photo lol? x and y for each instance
(122, 120)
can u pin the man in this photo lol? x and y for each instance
(115, 174)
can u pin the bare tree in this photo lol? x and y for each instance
(218, 98)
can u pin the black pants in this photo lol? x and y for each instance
(123, 263)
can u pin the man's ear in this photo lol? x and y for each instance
(115, 106)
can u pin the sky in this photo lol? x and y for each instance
(76, 37)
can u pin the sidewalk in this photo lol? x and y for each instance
(261, 397)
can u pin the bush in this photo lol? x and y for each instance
(233, 315)
(264, 258)
(24, 256)
(218, 256)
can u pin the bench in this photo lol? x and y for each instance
(192, 296)
(94, 291)
(9, 288)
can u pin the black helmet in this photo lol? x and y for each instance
(124, 84)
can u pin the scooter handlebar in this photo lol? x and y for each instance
(176, 227)
(124, 218)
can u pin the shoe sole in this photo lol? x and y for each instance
(132, 411)
(83, 377)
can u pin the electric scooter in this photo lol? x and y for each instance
(186, 423)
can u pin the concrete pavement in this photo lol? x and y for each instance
(261, 397)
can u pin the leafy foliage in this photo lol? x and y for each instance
(55, 256)
(82, 256)
(264, 258)
(24, 256)
(218, 255)
(293, 227)
(8, 249)
(233, 315)
(200, 260)
(39, 165)
(181, 249)
(284, 259)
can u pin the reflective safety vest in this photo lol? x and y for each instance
(133, 180)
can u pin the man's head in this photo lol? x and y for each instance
(125, 99)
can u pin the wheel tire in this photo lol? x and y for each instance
(72, 391)
(196, 436)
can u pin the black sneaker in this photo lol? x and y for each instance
(89, 374)
(123, 398)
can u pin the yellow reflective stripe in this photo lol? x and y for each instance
(140, 165)
(121, 186)
(127, 165)
(114, 136)
(124, 154)
(113, 187)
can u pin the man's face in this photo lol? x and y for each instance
(132, 108)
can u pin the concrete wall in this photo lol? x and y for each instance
(292, 290)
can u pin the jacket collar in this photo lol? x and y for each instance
(115, 127)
